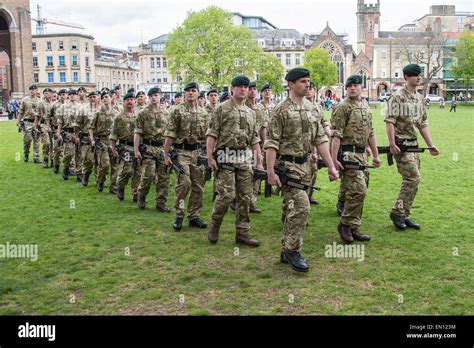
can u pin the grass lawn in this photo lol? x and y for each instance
(97, 255)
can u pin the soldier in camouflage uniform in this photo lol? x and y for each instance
(232, 132)
(29, 109)
(178, 99)
(406, 113)
(318, 112)
(261, 124)
(141, 101)
(123, 131)
(186, 130)
(212, 101)
(352, 132)
(149, 128)
(117, 105)
(267, 94)
(82, 93)
(291, 137)
(99, 132)
(52, 122)
(202, 100)
(67, 116)
(44, 108)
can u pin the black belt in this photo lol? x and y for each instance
(152, 143)
(129, 143)
(294, 159)
(189, 147)
(69, 130)
(352, 148)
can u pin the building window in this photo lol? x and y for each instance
(50, 77)
(62, 61)
(152, 63)
(158, 80)
(88, 77)
(288, 59)
(60, 45)
(165, 79)
(35, 62)
(423, 55)
(87, 62)
(36, 77)
(74, 45)
(62, 77)
(75, 76)
(384, 55)
(49, 60)
(158, 62)
(87, 46)
(48, 45)
(397, 55)
(384, 71)
(397, 72)
(261, 43)
(164, 62)
(278, 55)
(33, 46)
(74, 61)
(297, 59)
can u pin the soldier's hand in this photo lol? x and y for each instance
(338, 165)
(376, 162)
(333, 174)
(138, 155)
(211, 162)
(368, 151)
(314, 157)
(395, 150)
(434, 151)
(76, 139)
(167, 159)
(274, 179)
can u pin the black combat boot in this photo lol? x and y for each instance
(345, 233)
(295, 260)
(398, 221)
(177, 223)
(65, 174)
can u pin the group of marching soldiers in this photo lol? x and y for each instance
(135, 137)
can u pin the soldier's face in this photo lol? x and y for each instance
(201, 101)
(141, 99)
(47, 95)
(252, 94)
(55, 96)
(93, 99)
(106, 99)
(213, 98)
(414, 81)
(82, 94)
(354, 90)
(129, 103)
(300, 87)
(191, 94)
(178, 100)
(34, 92)
(240, 92)
(267, 94)
(63, 96)
(155, 98)
(73, 97)
(311, 93)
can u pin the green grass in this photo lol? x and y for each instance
(83, 267)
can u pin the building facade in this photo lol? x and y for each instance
(63, 60)
(113, 73)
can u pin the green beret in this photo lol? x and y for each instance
(296, 73)
(129, 95)
(116, 88)
(190, 85)
(63, 90)
(104, 93)
(131, 90)
(354, 79)
(253, 84)
(213, 90)
(154, 90)
(72, 92)
(82, 89)
(223, 97)
(163, 100)
(32, 87)
(140, 93)
(265, 87)
(202, 95)
(240, 81)
(48, 90)
(412, 70)
(179, 94)
(92, 94)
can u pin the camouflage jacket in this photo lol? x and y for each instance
(261, 120)
(101, 122)
(44, 109)
(186, 126)
(68, 114)
(151, 125)
(407, 112)
(29, 108)
(123, 127)
(291, 130)
(53, 113)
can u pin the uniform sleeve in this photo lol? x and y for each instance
(214, 129)
(275, 129)
(23, 107)
(320, 136)
(372, 132)
(113, 129)
(338, 122)
(139, 123)
(172, 124)
(93, 121)
(59, 114)
(41, 109)
(424, 119)
(392, 112)
(255, 138)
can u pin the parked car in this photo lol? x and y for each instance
(433, 98)
(384, 96)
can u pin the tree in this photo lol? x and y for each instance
(464, 56)
(426, 52)
(323, 70)
(210, 49)
(270, 70)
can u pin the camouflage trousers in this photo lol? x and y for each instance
(409, 168)
(78, 159)
(354, 186)
(103, 162)
(154, 171)
(28, 138)
(229, 186)
(127, 170)
(69, 149)
(114, 171)
(193, 183)
(45, 143)
(295, 209)
(56, 151)
(311, 176)
(87, 155)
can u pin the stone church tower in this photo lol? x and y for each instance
(15, 47)
(368, 26)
